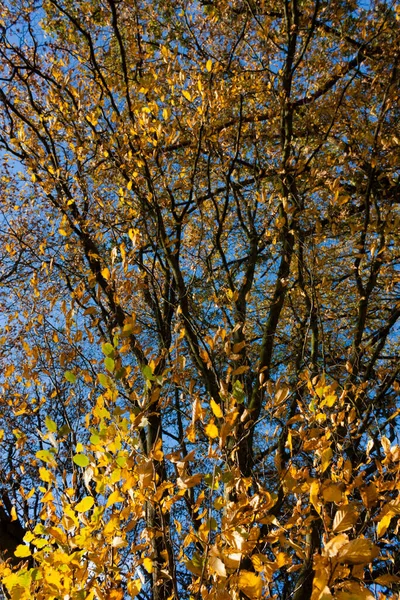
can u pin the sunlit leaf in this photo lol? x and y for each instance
(85, 504)
(113, 498)
(250, 584)
(345, 518)
(383, 524)
(134, 586)
(148, 564)
(216, 409)
(211, 430)
(22, 551)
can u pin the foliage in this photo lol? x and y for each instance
(199, 299)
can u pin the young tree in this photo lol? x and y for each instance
(200, 299)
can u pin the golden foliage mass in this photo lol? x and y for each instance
(199, 299)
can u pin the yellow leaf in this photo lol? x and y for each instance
(134, 587)
(106, 273)
(326, 457)
(14, 516)
(191, 433)
(85, 504)
(22, 551)
(289, 441)
(209, 65)
(325, 594)
(28, 537)
(219, 503)
(157, 453)
(113, 498)
(332, 493)
(314, 496)
(112, 526)
(383, 524)
(282, 559)
(329, 400)
(216, 409)
(148, 564)
(345, 518)
(250, 584)
(186, 94)
(115, 595)
(211, 430)
(354, 591)
(48, 497)
(358, 552)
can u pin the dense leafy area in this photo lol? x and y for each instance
(199, 289)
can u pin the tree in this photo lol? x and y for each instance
(200, 299)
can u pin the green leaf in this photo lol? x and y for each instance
(226, 477)
(69, 376)
(121, 461)
(238, 392)
(81, 460)
(64, 430)
(45, 455)
(50, 424)
(147, 372)
(211, 481)
(104, 380)
(107, 349)
(109, 364)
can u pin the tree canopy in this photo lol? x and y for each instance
(199, 299)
